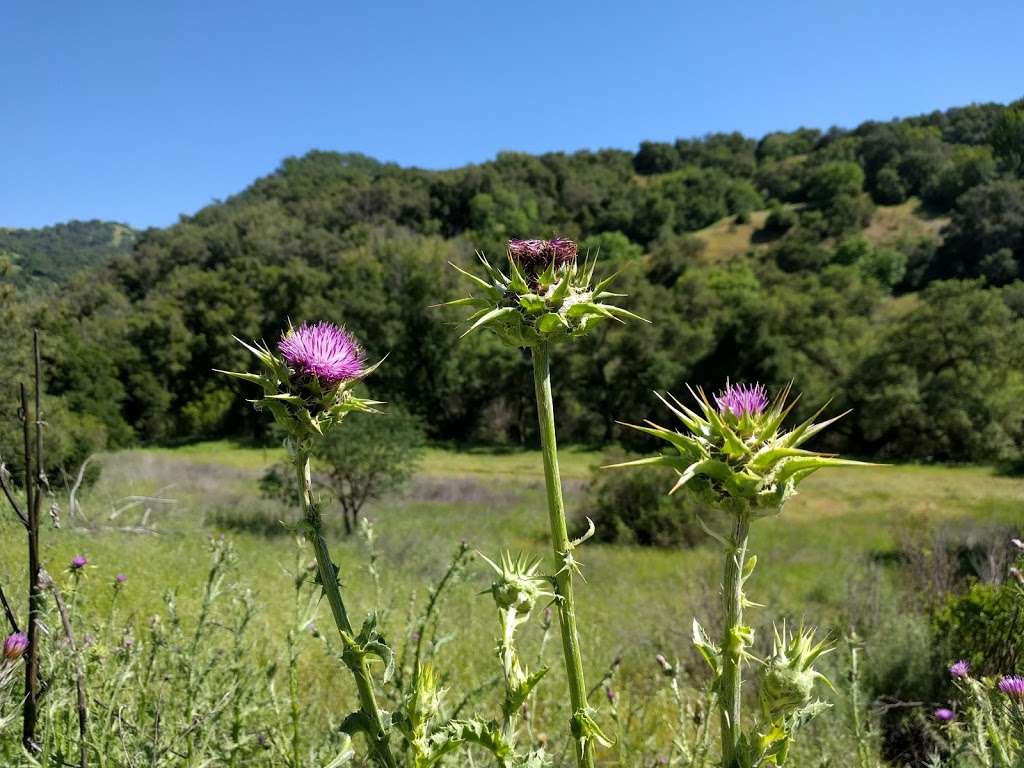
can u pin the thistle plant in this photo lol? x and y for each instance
(308, 388)
(737, 459)
(547, 297)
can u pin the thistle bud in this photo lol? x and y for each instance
(14, 646)
(735, 454)
(307, 385)
(788, 677)
(517, 587)
(547, 295)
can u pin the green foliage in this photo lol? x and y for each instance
(984, 627)
(54, 254)
(1008, 139)
(633, 508)
(359, 461)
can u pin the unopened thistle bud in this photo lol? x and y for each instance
(307, 384)
(735, 454)
(547, 295)
(518, 587)
(788, 677)
(14, 646)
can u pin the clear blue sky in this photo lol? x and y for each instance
(139, 111)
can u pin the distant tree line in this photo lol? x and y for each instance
(922, 335)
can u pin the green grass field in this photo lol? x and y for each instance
(818, 560)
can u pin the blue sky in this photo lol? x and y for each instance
(138, 112)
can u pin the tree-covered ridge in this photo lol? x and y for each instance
(53, 254)
(879, 266)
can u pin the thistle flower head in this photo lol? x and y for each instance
(120, 579)
(78, 562)
(944, 715)
(14, 646)
(959, 669)
(788, 676)
(1012, 686)
(547, 295)
(308, 385)
(518, 587)
(735, 454)
(742, 400)
(323, 350)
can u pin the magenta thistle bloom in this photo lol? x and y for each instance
(120, 578)
(742, 400)
(944, 715)
(537, 254)
(78, 562)
(959, 669)
(1012, 685)
(14, 646)
(323, 350)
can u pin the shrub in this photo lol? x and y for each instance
(633, 508)
(983, 626)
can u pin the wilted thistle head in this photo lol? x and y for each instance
(14, 646)
(545, 297)
(322, 350)
(1012, 686)
(959, 669)
(735, 454)
(308, 386)
(78, 562)
(788, 677)
(944, 715)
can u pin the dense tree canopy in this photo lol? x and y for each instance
(916, 324)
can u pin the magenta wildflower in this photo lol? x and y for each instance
(14, 646)
(323, 350)
(959, 669)
(1013, 685)
(78, 562)
(120, 578)
(944, 715)
(537, 254)
(742, 400)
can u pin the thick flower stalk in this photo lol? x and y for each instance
(734, 455)
(307, 386)
(545, 298)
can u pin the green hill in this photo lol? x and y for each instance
(53, 254)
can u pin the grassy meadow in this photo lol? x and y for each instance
(829, 558)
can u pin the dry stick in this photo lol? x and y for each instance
(9, 493)
(30, 708)
(8, 612)
(83, 715)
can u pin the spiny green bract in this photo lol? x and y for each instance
(303, 405)
(526, 309)
(788, 676)
(746, 463)
(518, 587)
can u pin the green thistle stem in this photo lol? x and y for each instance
(562, 548)
(380, 749)
(732, 643)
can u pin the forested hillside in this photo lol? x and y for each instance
(52, 254)
(879, 266)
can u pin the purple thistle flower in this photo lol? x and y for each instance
(323, 350)
(120, 579)
(14, 646)
(742, 400)
(959, 669)
(78, 562)
(944, 715)
(1012, 685)
(535, 255)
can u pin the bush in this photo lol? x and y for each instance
(985, 626)
(780, 220)
(631, 507)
